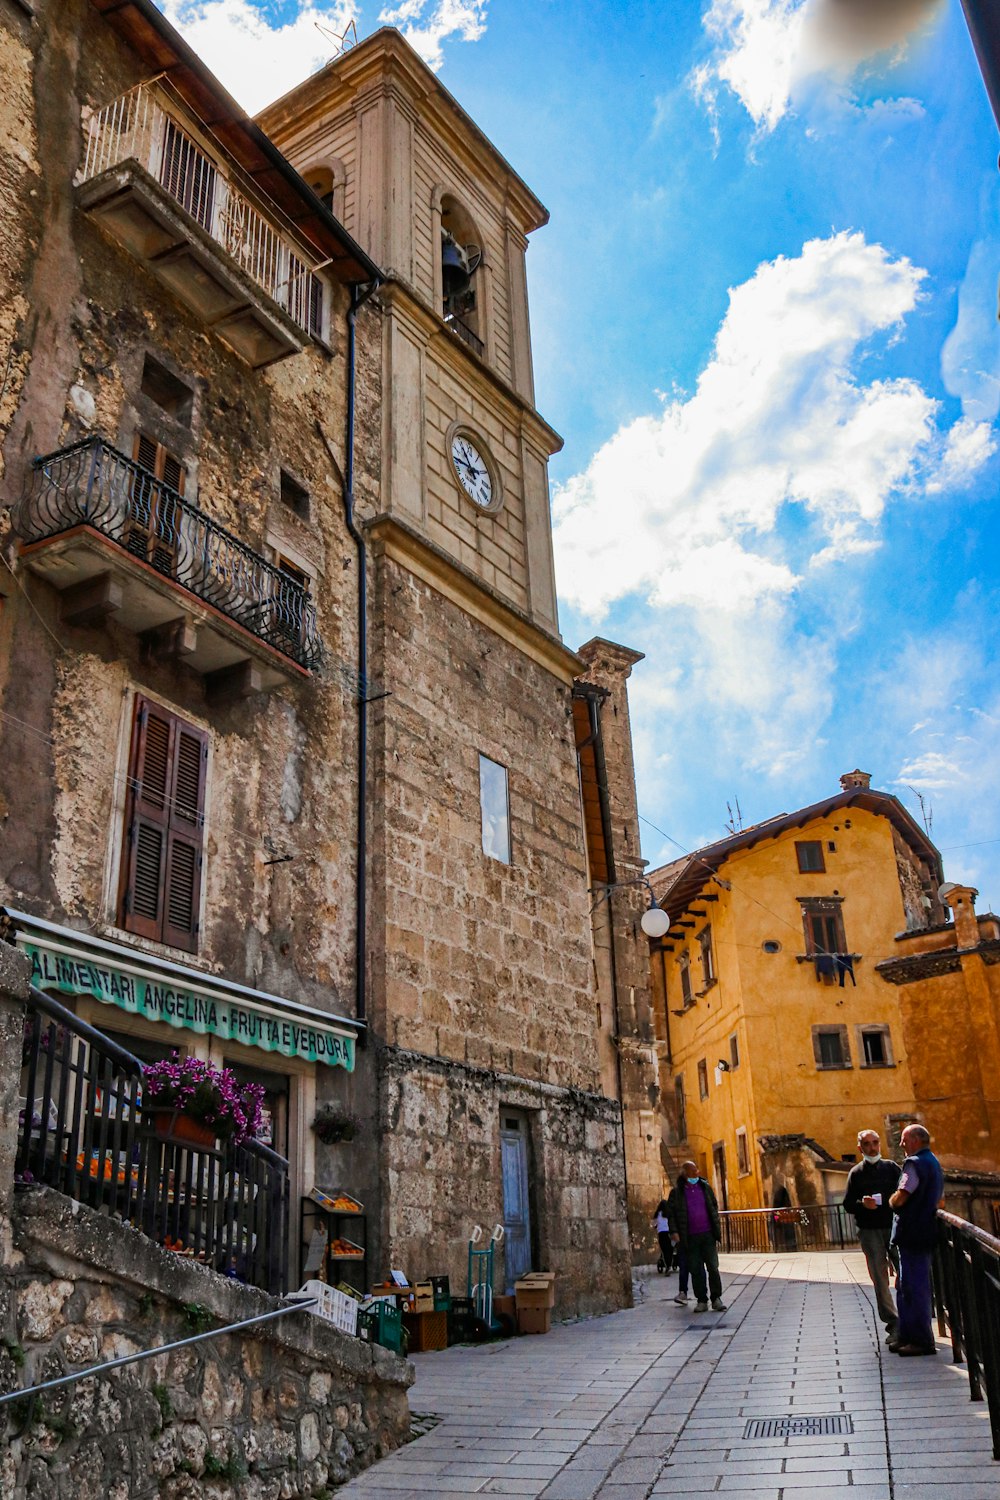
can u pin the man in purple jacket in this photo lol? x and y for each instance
(696, 1227)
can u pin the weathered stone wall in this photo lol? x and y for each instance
(485, 963)
(282, 774)
(284, 1411)
(442, 1176)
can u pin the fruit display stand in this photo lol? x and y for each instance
(338, 1220)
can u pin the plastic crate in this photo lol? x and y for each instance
(427, 1330)
(332, 1305)
(382, 1323)
(442, 1293)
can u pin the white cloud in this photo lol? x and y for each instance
(710, 520)
(258, 61)
(683, 506)
(966, 448)
(970, 356)
(428, 24)
(767, 51)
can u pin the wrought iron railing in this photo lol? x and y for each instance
(762, 1231)
(464, 332)
(138, 126)
(82, 1131)
(967, 1297)
(91, 484)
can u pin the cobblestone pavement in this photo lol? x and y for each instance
(654, 1402)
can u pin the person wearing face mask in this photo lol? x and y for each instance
(870, 1185)
(695, 1226)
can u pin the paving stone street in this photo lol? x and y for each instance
(655, 1401)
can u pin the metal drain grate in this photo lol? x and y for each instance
(775, 1427)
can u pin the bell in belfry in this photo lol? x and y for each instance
(455, 269)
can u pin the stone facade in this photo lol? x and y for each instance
(468, 974)
(286, 1410)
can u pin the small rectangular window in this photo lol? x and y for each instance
(742, 1153)
(164, 828)
(830, 1047)
(810, 856)
(734, 1051)
(875, 1049)
(707, 961)
(494, 804)
(703, 1079)
(680, 1110)
(173, 396)
(823, 923)
(294, 495)
(684, 964)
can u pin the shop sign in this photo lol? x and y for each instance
(215, 1015)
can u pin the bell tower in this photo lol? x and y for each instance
(414, 179)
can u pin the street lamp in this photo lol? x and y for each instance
(654, 921)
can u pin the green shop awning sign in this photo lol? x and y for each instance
(190, 1009)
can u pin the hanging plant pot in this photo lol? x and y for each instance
(178, 1129)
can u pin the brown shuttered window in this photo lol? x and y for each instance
(164, 827)
(154, 521)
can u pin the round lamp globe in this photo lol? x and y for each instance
(655, 923)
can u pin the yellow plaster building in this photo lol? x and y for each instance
(778, 1038)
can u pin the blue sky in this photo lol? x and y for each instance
(764, 319)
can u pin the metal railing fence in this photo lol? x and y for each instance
(138, 126)
(462, 331)
(90, 483)
(823, 1226)
(82, 1131)
(967, 1301)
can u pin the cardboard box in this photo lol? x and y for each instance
(506, 1306)
(536, 1290)
(423, 1297)
(534, 1319)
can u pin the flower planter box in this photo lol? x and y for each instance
(178, 1129)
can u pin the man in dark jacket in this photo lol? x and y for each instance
(695, 1226)
(914, 1233)
(870, 1185)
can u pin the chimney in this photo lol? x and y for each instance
(856, 781)
(962, 900)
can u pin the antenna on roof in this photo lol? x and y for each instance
(926, 810)
(735, 823)
(344, 40)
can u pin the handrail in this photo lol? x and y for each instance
(83, 1131)
(141, 1354)
(966, 1284)
(91, 483)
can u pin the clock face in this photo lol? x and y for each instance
(472, 471)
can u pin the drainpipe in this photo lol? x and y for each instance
(594, 738)
(359, 296)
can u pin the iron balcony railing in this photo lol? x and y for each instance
(967, 1297)
(138, 126)
(91, 484)
(82, 1131)
(823, 1226)
(464, 332)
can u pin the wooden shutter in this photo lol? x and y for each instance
(164, 828)
(154, 521)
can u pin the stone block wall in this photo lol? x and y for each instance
(442, 1175)
(281, 1412)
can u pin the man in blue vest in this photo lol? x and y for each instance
(914, 1234)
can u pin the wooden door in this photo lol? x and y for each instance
(516, 1206)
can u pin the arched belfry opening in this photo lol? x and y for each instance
(461, 258)
(327, 178)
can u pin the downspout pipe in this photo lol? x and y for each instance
(983, 17)
(359, 296)
(595, 738)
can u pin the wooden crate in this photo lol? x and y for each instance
(427, 1330)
